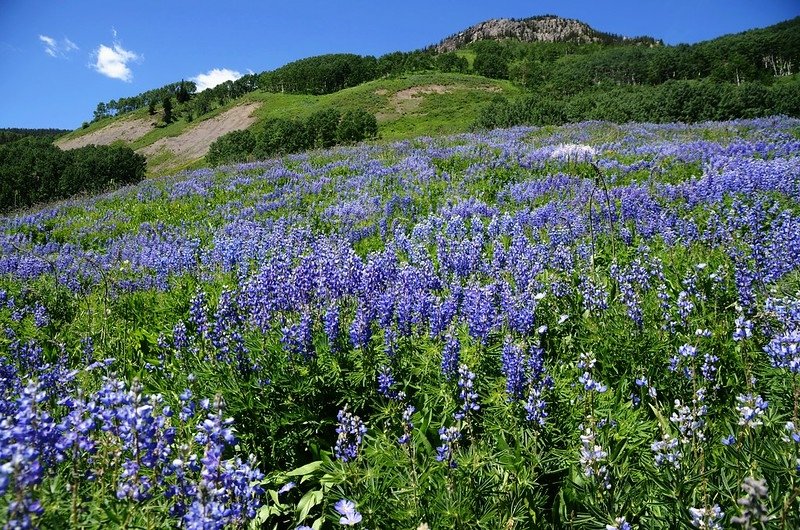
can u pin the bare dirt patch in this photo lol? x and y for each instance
(194, 142)
(126, 130)
(410, 99)
(415, 91)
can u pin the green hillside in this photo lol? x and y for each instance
(488, 83)
(411, 105)
(423, 104)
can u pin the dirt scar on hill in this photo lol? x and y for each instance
(194, 142)
(125, 130)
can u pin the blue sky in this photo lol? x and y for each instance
(58, 59)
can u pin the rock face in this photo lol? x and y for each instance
(535, 29)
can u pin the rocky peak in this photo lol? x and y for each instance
(547, 28)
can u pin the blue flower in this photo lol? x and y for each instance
(347, 509)
(286, 487)
(350, 431)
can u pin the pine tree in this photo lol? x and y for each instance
(167, 103)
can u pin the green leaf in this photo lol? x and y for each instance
(309, 500)
(306, 469)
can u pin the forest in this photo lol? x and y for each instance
(33, 170)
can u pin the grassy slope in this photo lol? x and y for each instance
(400, 116)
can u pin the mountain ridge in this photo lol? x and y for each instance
(541, 28)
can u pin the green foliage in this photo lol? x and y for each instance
(322, 74)
(278, 136)
(9, 135)
(491, 59)
(184, 91)
(33, 171)
(451, 62)
(322, 126)
(236, 146)
(166, 104)
(673, 101)
(356, 125)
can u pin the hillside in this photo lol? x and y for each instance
(407, 106)
(564, 71)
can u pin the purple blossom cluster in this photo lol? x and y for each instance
(350, 432)
(130, 438)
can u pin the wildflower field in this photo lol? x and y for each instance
(592, 326)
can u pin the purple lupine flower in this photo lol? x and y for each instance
(466, 395)
(686, 353)
(228, 492)
(784, 351)
(450, 356)
(619, 524)
(360, 329)
(40, 317)
(751, 409)
(386, 383)
(449, 437)
(587, 363)
(595, 297)
(744, 329)
(754, 512)
(513, 368)
(330, 323)
(286, 488)
(179, 336)
(198, 315)
(691, 420)
(479, 312)
(408, 425)
(685, 306)
(709, 368)
(297, 337)
(707, 518)
(350, 432)
(593, 457)
(667, 452)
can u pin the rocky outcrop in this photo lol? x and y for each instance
(535, 29)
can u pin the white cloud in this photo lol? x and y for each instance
(54, 48)
(113, 62)
(214, 77)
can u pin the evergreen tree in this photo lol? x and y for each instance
(167, 104)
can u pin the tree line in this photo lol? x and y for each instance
(33, 170)
(12, 134)
(673, 101)
(279, 136)
(188, 101)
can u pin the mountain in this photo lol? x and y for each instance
(546, 28)
(542, 70)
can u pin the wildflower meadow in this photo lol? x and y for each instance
(593, 326)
